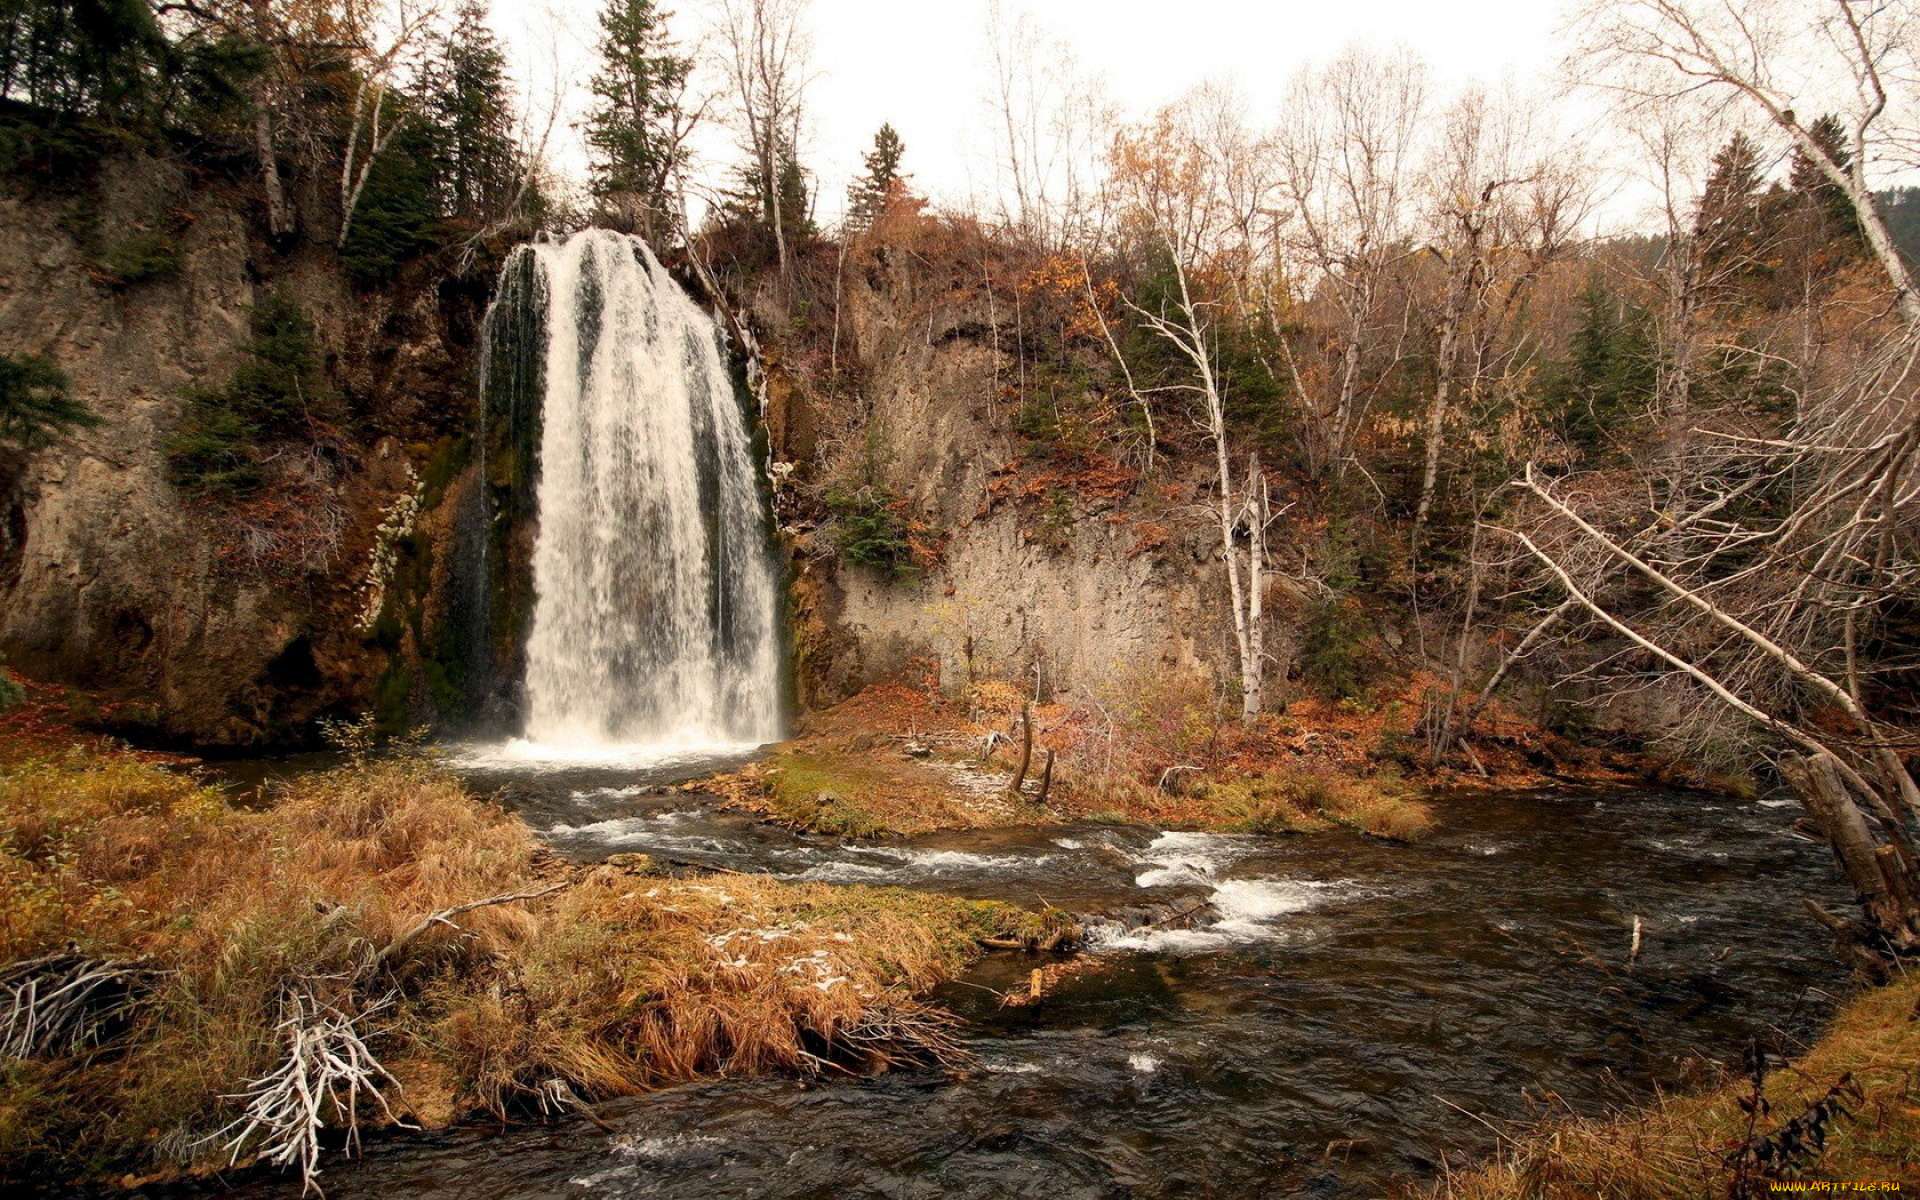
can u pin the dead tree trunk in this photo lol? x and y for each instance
(1882, 875)
(279, 220)
(1252, 670)
(1026, 751)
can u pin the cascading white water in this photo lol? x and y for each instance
(654, 619)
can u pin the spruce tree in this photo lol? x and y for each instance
(1735, 225)
(1608, 373)
(637, 127)
(83, 58)
(469, 105)
(881, 187)
(1819, 195)
(36, 402)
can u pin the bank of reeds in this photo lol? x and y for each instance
(1847, 1110)
(206, 940)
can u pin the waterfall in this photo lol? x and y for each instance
(654, 609)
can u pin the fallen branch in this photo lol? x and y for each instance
(60, 1003)
(557, 1095)
(445, 917)
(898, 1031)
(1169, 774)
(1182, 915)
(322, 1075)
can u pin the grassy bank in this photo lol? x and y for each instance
(901, 760)
(1846, 1110)
(199, 944)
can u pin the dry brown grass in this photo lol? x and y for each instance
(619, 982)
(1686, 1148)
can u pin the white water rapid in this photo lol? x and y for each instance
(654, 619)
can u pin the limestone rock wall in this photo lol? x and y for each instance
(109, 578)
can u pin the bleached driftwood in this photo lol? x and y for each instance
(324, 1072)
(61, 1003)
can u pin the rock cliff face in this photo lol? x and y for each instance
(1071, 576)
(1070, 587)
(109, 578)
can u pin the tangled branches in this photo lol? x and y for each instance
(324, 1072)
(900, 1032)
(62, 1003)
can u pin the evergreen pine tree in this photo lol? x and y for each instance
(637, 126)
(882, 186)
(1607, 373)
(82, 58)
(467, 101)
(1735, 224)
(796, 198)
(36, 401)
(1820, 195)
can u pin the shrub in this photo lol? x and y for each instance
(147, 257)
(1332, 647)
(11, 693)
(36, 401)
(1057, 520)
(222, 445)
(871, 530)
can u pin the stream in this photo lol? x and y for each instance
(1348, 1012)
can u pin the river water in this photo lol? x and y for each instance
(1347, 1013)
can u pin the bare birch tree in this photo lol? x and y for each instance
(1764, 577)
(1347, 148)
(1184, 183)
(383, 45)
(1051, 124)
(1507, 205)
(765, 53)
(1784, 61)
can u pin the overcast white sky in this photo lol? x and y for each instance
(924, 64)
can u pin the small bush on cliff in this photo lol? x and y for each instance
(226, 433)
(140, 259)
(870, 529)
(36, 401)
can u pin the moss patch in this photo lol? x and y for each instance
(856, 794)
